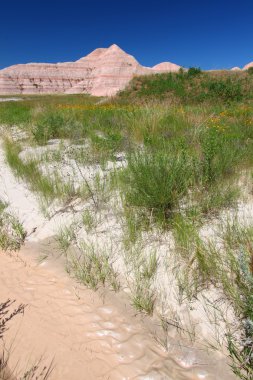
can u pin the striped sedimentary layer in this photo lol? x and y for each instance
(101, 73)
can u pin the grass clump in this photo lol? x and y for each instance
(220, 153)
(88, 220)
(94, 269)
(49, 126)
(12, 233)
(194, 71)
(65, 237)
(156, 181)
(48, 187)
(143, 295)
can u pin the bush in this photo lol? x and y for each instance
(219, 155)
(225, 90)
(194, 71)
(48, 127)
(157, 181)
(250, 70)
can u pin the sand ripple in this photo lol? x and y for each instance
(88, 337)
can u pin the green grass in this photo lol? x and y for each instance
(156, 182)
(228, 266)
(93, 269)
(48, 188)
(65, 237)
(192, 87)
(143, 294)
(12, 233)
(89, 220)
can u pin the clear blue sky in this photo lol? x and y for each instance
(210, 34)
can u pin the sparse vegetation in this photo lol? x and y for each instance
(65, 237)
(228, 266)
(48, 187)
(12, 233)
(93, 269)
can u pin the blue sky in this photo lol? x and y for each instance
(209, 34)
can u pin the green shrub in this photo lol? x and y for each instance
(219, 155)
(226, 90)
(250, 70)
(156, 181)
(194, 71)
(160, 84)
(48, 127)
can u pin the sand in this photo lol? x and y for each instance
(87, 336)
(83, 332)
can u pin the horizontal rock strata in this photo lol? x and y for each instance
(103, 72)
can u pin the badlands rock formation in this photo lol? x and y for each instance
(103, 72)
(246, 67)
(166, 67)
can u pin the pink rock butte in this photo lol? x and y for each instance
(103, 72)
(246, 67)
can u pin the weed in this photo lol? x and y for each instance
(88, 220)
(12, 233)
(65, 237)
(157, 181)
(194, 71)
(143, 299)
(143, 295)
(220, 155)
(38, 371)
(94, 269)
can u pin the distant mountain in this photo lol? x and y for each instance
(103, 72)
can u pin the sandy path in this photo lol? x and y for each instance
(73, 326)
(88, 338)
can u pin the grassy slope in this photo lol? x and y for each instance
(192, 87)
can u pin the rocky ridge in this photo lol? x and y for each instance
(103, 72)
